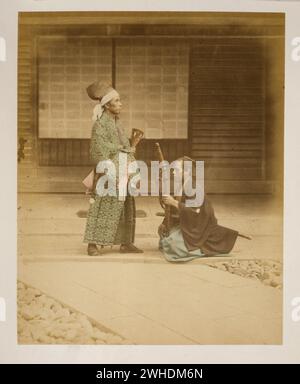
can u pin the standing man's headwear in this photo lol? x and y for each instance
(103, 92)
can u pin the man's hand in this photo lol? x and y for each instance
(128, 150)
(169, 200)
(162, 230)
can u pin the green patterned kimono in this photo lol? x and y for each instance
(109, 220)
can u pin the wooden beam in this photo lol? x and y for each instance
(205, 18)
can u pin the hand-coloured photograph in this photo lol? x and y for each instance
(150, 178)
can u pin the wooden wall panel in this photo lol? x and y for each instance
(75, 152)
(227, 107)
(25, 99)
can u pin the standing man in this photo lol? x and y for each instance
(110, 221)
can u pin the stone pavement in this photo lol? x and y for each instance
(142, 297)
(44, 320)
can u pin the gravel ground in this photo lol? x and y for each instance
(43, 320)
(268, 272)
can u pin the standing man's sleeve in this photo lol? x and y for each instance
(101, 147)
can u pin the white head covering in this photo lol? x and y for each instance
(103, 92)
(99, 108)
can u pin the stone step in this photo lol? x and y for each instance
(53, 185)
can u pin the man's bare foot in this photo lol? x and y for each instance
(130, 248)
(92, 250)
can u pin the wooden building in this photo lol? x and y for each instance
(207, 85)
